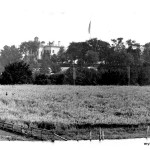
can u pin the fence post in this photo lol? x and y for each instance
(3, 125)
(103, 136)
(147, 132)
(77, 135)
(100, 135)
(53, 136)
(90, 135)
(13, 127)
(21, 129)
(31, 130)
(41, 135)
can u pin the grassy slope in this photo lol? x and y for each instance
(67, 105)
(76, 104)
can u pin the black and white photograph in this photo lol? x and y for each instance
(75, 74)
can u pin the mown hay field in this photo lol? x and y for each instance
(67, 104)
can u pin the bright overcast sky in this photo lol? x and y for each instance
(68, 20)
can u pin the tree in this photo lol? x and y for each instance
(54, 58)
(61, 55)
(120, 59)
(9, 54)
(101, 47)
(91, 57)
(17, 73)
(146, 53)
(31, 60)
(78, 51)
(114, 70)
(134, 50)
(49, 64)
(1, 68)
(144, 75)
(75, 50)
(30, 47)
(118, 44)
(30, 52)
(84, 76)
(55, 67)
(45, 63)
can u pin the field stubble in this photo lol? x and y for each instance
(63, 106)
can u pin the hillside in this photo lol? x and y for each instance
(76, 104)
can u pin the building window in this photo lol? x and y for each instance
(53, 51)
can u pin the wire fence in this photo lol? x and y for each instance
(40, 134)
(50, 135)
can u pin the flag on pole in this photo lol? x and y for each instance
(89, 29)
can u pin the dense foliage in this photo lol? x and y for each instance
(84, 76)
(118, 63)
(42, 79)
(16, 73)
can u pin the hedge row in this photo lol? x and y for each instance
(18, 73)
(104, 76)
(42, 79)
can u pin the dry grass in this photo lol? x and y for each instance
(76, 104)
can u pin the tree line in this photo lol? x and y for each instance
(110, 60)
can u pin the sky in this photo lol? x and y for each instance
(68, 20)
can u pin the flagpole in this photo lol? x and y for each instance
(89, 29)
(90, 34)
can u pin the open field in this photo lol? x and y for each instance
(66, 105)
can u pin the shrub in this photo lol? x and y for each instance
(41, 79)
(57, 78)
(55, 67)
(17, 73)
(144, 75)
(113, 76)
(117, 75)
(84, 76)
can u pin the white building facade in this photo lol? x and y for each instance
(51, 48)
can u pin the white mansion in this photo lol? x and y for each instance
(51, 48)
